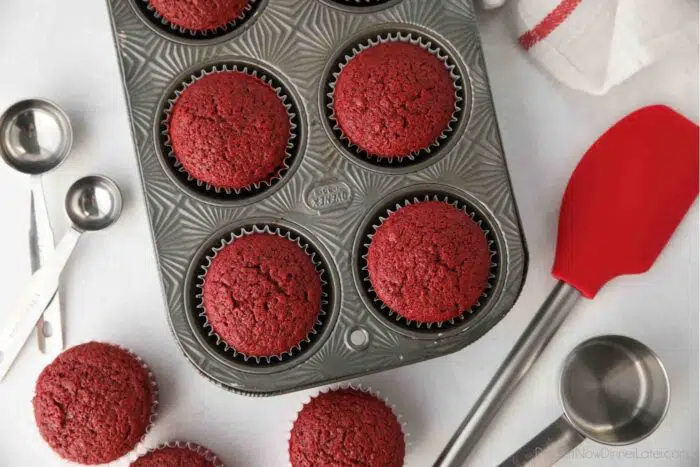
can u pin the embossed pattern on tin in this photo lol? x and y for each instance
(325, 196)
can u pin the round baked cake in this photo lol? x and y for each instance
(394, 99)
(262, 295)
(176, 456)
(346, 427)
(429, 262)
(93, 404)
(230, 130)
(199, 15)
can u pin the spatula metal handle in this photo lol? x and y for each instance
(523, 355)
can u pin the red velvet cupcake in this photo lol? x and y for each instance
(178, 455)
(262, 295)
(429, 262)
(394, 99)
(94, 403)
(346, 427)
(230, 130)
(199, 15)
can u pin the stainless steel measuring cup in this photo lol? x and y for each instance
(614, 390)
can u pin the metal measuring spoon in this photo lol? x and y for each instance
(92, 203)
(35, 138)
(614, 390)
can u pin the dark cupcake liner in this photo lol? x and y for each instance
(321, 268)
(165, 25)
(287, 101)
(199, 449)
(357, 387)
(441, 325)
(425, 43)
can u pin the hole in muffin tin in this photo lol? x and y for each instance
(416, 160)
(201, 190)
(178, 34)
(193, 289)
(361, 248)
(357, 338)
(361, 6)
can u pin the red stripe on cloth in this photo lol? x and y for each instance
(549, 23)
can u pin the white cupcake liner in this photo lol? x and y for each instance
(270, 230)
(409, 38)
(152, 418)
(468, 210)
(357, 387)
(201, 34)
(249, 70)
(206, 453)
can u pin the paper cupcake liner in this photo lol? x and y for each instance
(493, 274)
(405, 37)
(152, 418)
(167, 26)
(321, 268)
(198, 448)
(154, 392)
(250, 70)
(357, 387)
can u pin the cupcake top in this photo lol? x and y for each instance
(177, 456)
(93, 403)
(262, 295)
(429, 262)
(230, 130)
(199, 15)
(394, 99)
(346, 427)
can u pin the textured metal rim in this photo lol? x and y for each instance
(472, 323)
(191, 188)
(208, 343)
(141, 10)
(361, 6)
(424, 160)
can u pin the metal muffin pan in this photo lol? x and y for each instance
(328, 196)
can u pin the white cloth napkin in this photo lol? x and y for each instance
(593, 45)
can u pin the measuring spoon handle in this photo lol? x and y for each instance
(545, 449)
(36, 295)
(520, 359)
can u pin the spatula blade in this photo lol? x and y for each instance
(626, 197)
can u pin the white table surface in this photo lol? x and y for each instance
(111, 290)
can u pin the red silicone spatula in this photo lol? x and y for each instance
(624, 200)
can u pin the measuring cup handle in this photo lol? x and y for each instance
(34, 299)
(545, 449)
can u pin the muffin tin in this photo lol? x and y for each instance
(328, 196)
